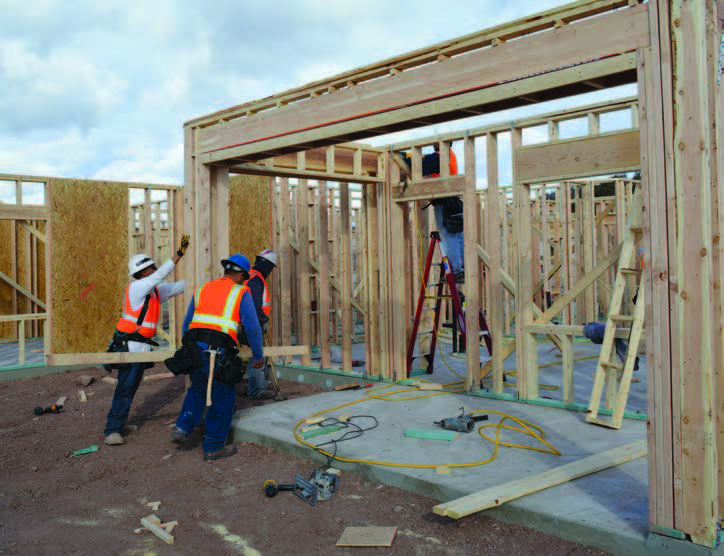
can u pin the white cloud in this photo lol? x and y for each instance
(101, 89)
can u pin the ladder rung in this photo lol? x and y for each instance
(629, 271)
(438, 297)
(424, 333)
(425, 309)
(421, 355)
(622, 318)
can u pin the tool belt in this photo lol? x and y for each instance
(229, 367)
(119, 343)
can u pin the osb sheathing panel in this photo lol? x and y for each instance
(89, 262)
(249, 215)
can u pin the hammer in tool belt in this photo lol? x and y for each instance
(212, 363)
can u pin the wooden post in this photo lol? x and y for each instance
(284, 271)
(323, 260)
(471, 212)
(305, 270)
(219, 194)
(495, 245)
(526, 346)
(345, 251)
(397, 272)
(692, 182)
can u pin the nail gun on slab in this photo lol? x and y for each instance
(465, 422)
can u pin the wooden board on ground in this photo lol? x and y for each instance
(497, 495)
(367, 536)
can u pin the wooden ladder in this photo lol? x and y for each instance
(617, 377)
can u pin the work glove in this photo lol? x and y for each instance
(258, 364)
(265, 328)
(185, 240)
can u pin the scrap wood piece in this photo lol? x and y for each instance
(429, 386)
(158, 376)
(169, 525)
(82, 396)
(367, 536)
(497, 495)
(153, 524)
(350, 386)
(110, 380)
(154, 505)
(61, 401)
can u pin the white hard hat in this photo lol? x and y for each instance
(139, 262)
(270, 256)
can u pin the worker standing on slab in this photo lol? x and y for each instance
(136, 329)
(211, 333)
(265, 262)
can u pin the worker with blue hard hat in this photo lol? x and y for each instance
(211, 334)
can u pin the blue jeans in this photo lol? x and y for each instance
(257, 380)
(454, 244)
(218, 415)
(128, 382)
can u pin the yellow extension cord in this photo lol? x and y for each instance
(524, 427)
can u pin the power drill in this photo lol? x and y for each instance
(465, 422)
(52, 409)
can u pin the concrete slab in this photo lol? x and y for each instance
(609, 510)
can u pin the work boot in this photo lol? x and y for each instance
(114, 439)
(179, 437)
(267, 395)
(226, 451)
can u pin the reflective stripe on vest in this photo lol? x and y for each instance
(129, 318)
(217, 306)
(266, 305)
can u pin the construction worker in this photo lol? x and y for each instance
(211, 325)
(136, 329)
(265, 262)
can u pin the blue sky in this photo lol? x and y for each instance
(101, 89)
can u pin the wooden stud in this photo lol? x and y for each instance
(471, 211)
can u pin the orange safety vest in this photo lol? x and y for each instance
(129, 318)
(453, 166)
(217, 306)
(266, 305)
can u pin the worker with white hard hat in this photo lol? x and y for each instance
(265, 262)
(135, 331)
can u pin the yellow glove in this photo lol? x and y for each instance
(185, 240)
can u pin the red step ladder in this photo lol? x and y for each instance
(446, 277)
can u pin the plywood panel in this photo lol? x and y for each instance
(577, 158)
(249, 215)
(89, 262)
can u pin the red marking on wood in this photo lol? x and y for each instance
(86, 291)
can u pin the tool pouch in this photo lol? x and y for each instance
(118, 344)
(230, 368)
(186, 358)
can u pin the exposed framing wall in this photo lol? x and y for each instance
(670, 47)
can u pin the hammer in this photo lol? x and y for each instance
(212, 363)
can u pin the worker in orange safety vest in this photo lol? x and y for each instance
(135, 331)
(265, 262)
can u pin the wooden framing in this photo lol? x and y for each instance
(600, 44)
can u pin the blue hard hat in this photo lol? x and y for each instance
(236, 262)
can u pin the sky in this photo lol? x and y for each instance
(101, 89)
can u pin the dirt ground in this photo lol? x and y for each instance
(53, 503)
